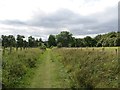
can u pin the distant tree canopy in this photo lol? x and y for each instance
(52, 40)
(108, 40)
(19, 42)
(89, 42)
(63, 39)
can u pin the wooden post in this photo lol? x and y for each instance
(116, 51)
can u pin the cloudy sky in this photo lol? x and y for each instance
(40, 18)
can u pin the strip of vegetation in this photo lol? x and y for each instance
(17, 66)
(91, 67)
(63, 39)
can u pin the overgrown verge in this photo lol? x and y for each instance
(91, 68)
(17, 66)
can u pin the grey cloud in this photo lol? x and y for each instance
(60, 18)
(105, 22)
(13, 22)
(77, 24)
(97, 23)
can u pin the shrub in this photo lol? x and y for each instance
(31, 62)
(59, 45)
(90, 68)
(17, 65)
(17, 69)
(43, 47)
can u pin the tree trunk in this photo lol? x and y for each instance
(20, 48)
(3, 50)
(16, 48)
(10, 49)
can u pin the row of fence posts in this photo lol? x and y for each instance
(103, 49)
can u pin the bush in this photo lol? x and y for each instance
(51, 47)
(43, 47)
(99, 44)
(17, 69)
(31, 62)
(91, 68)
(59, 45)
(17, 65)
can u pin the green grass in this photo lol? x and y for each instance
(91, 68)
(17, 66)
(33, 68)
(50, 73)
(61, 68)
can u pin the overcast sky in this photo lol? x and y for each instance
(40, 18)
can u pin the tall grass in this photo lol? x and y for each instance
(16, 65)
(91, 67)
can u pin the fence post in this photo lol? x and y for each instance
(116, 51)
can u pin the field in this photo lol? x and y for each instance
(19, 66)
(91, 67)
(61, 68)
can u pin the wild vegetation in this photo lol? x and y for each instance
(64, 39)
(18, 66)
(91, 67)
(69, 61)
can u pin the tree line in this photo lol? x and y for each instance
(66, 39)
(63, 39)
(20, 42)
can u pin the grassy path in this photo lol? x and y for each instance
(50, 73)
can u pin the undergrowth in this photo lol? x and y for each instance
(90, 68)
(17, 66)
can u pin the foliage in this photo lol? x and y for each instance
(65, 38)
(59, 45)
(108, 40)
(20, 41)
(43, 47)
(51, 40)
(89, 42)
(79, 43)
(91, 68)
(17, 65)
